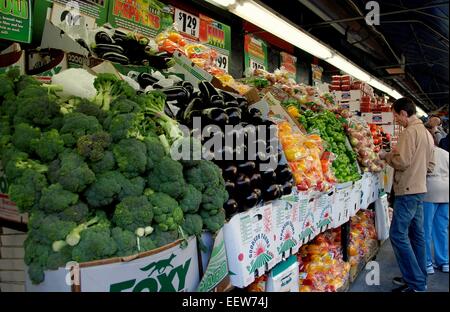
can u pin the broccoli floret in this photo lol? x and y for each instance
(52, 229)
(215, 222)
(55, 199)
(167, 177)
(36, 273)
(193, 224)
(124, 106)
(109, 88)
(146, 243)
(59, 259)
(107, 163)
(48, 146)
(77, 213)
(105, 189)
(23, 135)
(96, 243)
(123, 126)
(125, 241)
(195, 150)
(190, 203)
(74, 174)
(26, 190)
(15, 168)
(75, 125)
(167, 214)
(25, 82)
(93, 146)
(90, 109)
(162, 238)
(35, 251)
(205, 174)
(6, 87)
(155, 151)
(132, 187)
(133, 212)
(214, 198)
(131, 157)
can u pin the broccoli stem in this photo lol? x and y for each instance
(73, 238)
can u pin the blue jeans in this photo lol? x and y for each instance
(435, 224)
(408, 240)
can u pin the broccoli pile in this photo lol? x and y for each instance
(96, 177)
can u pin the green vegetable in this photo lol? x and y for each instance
(215, 222)
(167, 214)
(190, 203)
(23, 135)
(105, 189)
(131, 157)
(26, 191)
(167, 177)
(55, 199)
(134, 212)
(193, 224)
(93, 146)
(125, 241)
(48, 146)
(109, 88)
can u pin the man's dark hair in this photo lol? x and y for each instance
(405, 104)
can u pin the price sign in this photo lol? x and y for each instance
(256, 65)
(222, 62)
(187, 23)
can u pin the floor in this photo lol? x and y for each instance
(438, 282)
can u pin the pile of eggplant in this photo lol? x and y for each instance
(128, 49)
(246, 184)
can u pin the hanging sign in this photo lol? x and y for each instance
(15, 20)
(289, 62)
(316, 74)
(255, 53)
(187, 23)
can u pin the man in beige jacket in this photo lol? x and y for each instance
(412, 158)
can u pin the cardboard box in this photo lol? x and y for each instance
(191, 72)
(54, 38)
(367, 193)
(355, 198)
(352, 95)
(306, 217)
(284, 277)
(166, 269)
(250, 245)
(43, 64)
(12, 56)
(341, 207)
(352, 106)
(323, 210)
(214, 264)
(379, 118)
(287, 225)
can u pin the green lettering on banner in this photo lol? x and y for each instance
(148, 283)
(118, 287)
(15, 20)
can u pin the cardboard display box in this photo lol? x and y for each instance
(13, 56)
(342, 204)
(367, 193)
(306, 217)
(284, 277)
(250, 244)
(323, 210)
(379, 118)
(166, 269)
(355, 198)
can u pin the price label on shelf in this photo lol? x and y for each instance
(222, 62)
(256, 65)
(187, 23)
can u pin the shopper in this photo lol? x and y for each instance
(436, 129)
(444, 143)
(411, 159)
(436, 213)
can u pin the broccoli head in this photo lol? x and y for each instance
(56, 199)
(27, 189)
(193, 224)
(132, 187)
(95, 243)
(59, 259)
(88, 108)
(93, 146)
(167, 214)
(52, 229)
(125, 241)
(124, 106)
(23, 135)
(77, 213)
(105, 189)
(109, 87)
(162, 238)
(25, 82)
(131, 157)
(214, 198)
(107, 163)
(74, 174)
(133, 212)
(190, 203)
(155, 151)
(48, 146)
(167, 177)
(75, 125)
(123, 126)
(215, 222)
(15, 168)
(205, 174)
(146, 243)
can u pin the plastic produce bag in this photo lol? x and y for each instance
(382, 220)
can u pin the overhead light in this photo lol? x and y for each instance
(420, 112)
(379, 85)
(395, 94)
(223, 3)
(344, 65)
(270, 22)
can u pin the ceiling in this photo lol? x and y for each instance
(411, 38)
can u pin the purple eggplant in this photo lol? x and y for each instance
(230, 172)
(252, 199)
(231, 207)
(272, 192)
(284, 174)
(234, 115)
(247, 167)
(287, 187)
(269, 177)
(243, 183)
(256, 180)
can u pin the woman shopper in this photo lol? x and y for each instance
(435, 205)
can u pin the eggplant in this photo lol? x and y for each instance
(103, 37)
(196, 104)
(231, 207)
(159, 61)
(230, 172)
(230, 187)
(176, 93)
(272, 192)
(234, 115)
(157, 86)
(252, 199)
(243, 183)
(101, 49)
(207, 89)
(116, 57)
(216, 101)
(215, 115)
(247, 167)
(145, 80)
(283, 175)
(287, 187)
(187, 85)
(227, 96)
(119, 35)
(268, 177)
(256, 180)
(230, 104)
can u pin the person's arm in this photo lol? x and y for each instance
(432, 162)
(401, 157)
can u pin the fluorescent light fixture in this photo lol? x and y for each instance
(395, 94)
(270, 22)
(420, 112)
(344, 65)
(380, 86)
(223, 3)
